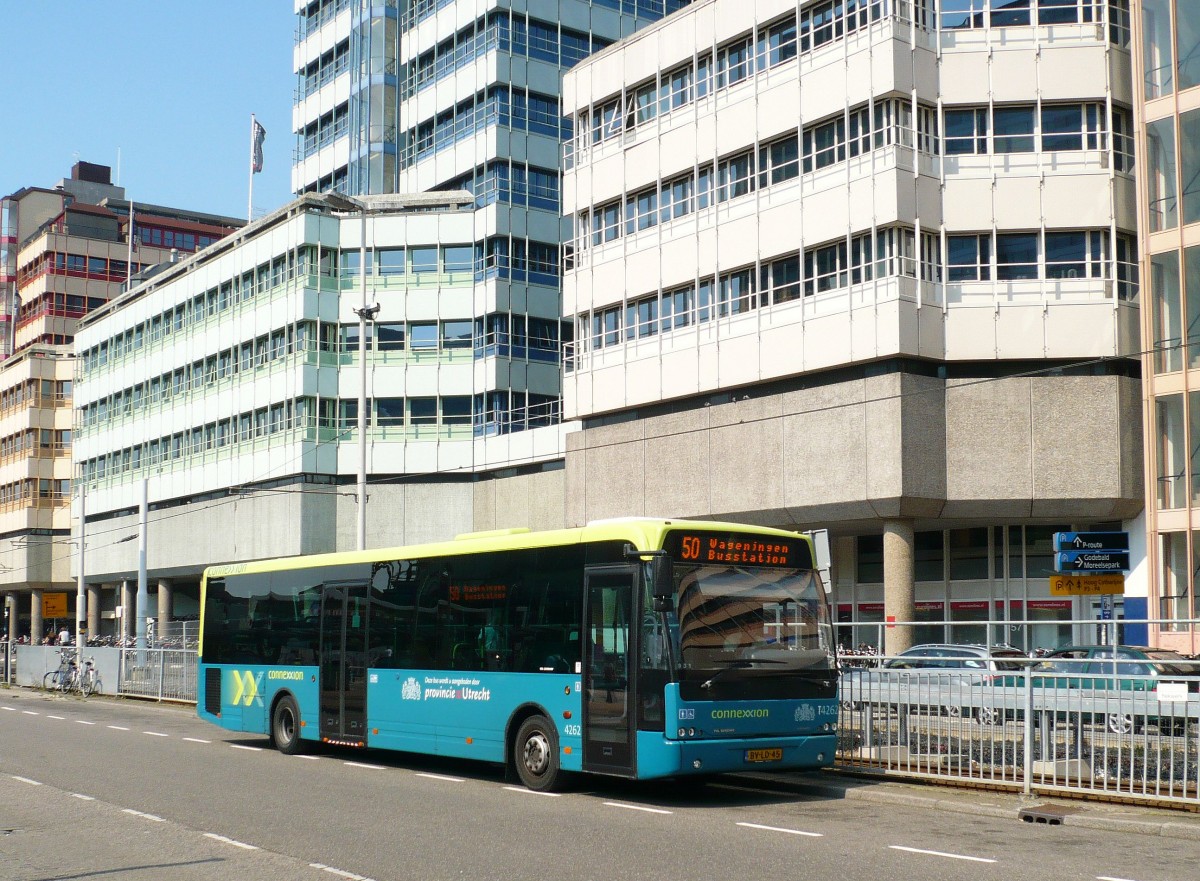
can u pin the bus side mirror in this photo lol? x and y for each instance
(662, 578)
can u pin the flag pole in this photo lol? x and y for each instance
(129, 260)
(250, 201)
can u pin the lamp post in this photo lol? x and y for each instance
(366, 312)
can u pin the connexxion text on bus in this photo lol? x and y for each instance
(637, 648)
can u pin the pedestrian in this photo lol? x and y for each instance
(64, 636)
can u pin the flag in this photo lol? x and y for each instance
(258, 134)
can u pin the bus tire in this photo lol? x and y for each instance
(535, 754)
(285, 726)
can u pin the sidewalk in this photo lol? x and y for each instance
(1136, 819)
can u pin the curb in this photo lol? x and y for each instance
(1080, 816)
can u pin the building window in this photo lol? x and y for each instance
(969, 257)
(1160, 173)
(1187, 30)
(1016, 256)
(1168, 411)
(1157, 48)
(1013, 129)
(1189, 161)
(1165, 312)
(1173, 583)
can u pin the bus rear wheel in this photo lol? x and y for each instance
(285, 726)
(536, 755)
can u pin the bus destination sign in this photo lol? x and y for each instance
(745, 550)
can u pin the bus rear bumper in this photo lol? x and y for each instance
(667, 758)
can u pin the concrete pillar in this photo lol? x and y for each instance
(128, 608)
(166, 603)
(93, 610)
(35, 617)
(899, 585)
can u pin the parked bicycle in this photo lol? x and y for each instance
(70, 676)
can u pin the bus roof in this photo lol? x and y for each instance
(644, 533)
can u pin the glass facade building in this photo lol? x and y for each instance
(406, 96)
(1167, 88)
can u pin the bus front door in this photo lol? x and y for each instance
(344, 663)
(608, 686)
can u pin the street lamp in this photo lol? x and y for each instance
(365, 313)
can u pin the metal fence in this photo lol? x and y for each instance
(163, 674)
(1123, 726)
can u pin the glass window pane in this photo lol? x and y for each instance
(1013, 127)
(391, 261)
(928, 556)
(1157, 48)
(423, 336)
(1187, 29)
(1189, 160)
(1168, 411)
(458, 257)
(424, 259)
(422, 411)
(1160, 162)
(1165, 303)
(1191, 275)
(968, 553)
(1016, 256)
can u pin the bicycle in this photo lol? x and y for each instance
(89, 678)
(61, 679)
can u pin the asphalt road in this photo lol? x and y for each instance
(105, 789)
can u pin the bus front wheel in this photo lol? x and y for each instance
(536, 755)
(285, 726)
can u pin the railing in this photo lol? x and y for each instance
(162, 674)
(1123, 727)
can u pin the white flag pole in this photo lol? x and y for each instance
(250, 201)
(129, 263)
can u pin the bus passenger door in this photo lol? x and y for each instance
(608, 656)
(343, 662)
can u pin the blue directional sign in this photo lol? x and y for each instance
(1091, 541)
(1082, 562)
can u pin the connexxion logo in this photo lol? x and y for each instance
(246, 685)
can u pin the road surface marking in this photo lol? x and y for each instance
(781, 829)
(617, 804)
(196, 740)
(310, 758)
(253, 749)
(532, 792)
(1109, 878)
(30, 713)
(82, 797)
(225, 840)
(938, 853)
(152, 733)
(364, 765)
(341, 873)
(84, 722)
(118, 727)
(143, 815)
(59, 718)
(26, 780)
(442, 777)
(10, 709)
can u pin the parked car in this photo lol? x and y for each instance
(1118, 668)
(917, 671)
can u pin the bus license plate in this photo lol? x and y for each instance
(764, 755)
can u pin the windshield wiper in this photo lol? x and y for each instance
(738, 664)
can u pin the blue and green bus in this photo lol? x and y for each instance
(639, 648)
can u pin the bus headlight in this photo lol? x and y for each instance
(682, 732)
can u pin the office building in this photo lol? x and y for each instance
(64, 251)
(1167, 93)
(866, 266)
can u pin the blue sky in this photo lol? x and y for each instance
(170, 85)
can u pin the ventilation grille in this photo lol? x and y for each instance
(212, 690)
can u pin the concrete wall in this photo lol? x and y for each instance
(892, 446)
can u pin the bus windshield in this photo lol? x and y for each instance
(748, 622)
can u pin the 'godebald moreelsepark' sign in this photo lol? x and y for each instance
(1083, 553)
